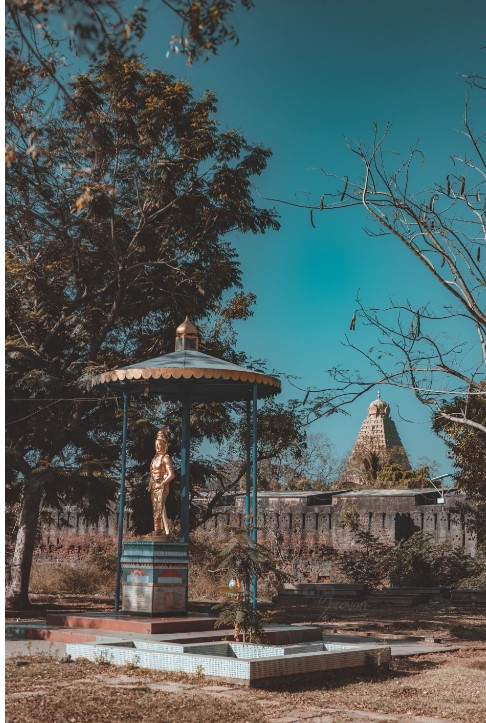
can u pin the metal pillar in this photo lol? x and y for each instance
(248, 488)
(121, 502)
(185, 462)
(248, 471)
(254, 501)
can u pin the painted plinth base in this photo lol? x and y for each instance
(154, 576)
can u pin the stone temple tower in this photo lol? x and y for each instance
(378, 443)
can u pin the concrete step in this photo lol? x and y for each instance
(275, 634)
(125, 623)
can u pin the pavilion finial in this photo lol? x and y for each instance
(187, 336)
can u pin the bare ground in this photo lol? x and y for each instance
(422, 689)
(446, 687)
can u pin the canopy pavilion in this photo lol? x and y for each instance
(188, 375)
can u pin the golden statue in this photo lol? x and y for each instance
(161, 474)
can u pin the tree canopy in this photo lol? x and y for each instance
(466, 450)
(52, 33)
(119, 213)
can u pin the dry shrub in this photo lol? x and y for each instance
(45, 577)
(204, 582)
(91, 575)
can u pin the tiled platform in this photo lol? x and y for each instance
(247, 664)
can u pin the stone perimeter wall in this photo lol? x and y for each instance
(298, 532)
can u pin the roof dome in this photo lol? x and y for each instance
(187, 327)
(378, 408)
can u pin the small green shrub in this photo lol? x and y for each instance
(240, 561)
(349, 517)
(419, 562)
(475, 582)
(367, 562)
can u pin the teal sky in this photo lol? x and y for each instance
(304, 76)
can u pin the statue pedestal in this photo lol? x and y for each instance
(154, 575)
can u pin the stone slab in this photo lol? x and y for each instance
(23, 648)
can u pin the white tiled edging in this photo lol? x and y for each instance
(244, 663)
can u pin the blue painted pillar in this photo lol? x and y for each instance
(248, 488)
(121, 502)
(254, 500)
(248, 471)
(185, 462)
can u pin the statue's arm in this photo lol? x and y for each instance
(151, 480)
(169, 475)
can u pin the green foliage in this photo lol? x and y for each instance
(466, 450)
(49, 30)
(349, 517)
(240, 560)
(395, 476)
(367, 562)
(118, 213)
(420, 562)
(238, 613)
(416, 562)
(475, 582)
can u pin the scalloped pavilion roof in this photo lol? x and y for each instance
(202, 377)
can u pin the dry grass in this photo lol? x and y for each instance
(93, 574)
(444, 686)
(50, 578)
(46, 690)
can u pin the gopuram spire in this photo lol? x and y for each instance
(378, 444)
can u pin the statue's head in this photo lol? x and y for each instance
(162, 441)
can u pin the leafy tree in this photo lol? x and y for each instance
(314, 470)
(419, 562)
(118, 213)
(281, 436)
(366, 563)
(349, 517)
(394, 476)
(466, 449)
(54, 33)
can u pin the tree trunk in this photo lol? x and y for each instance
(17, 593)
